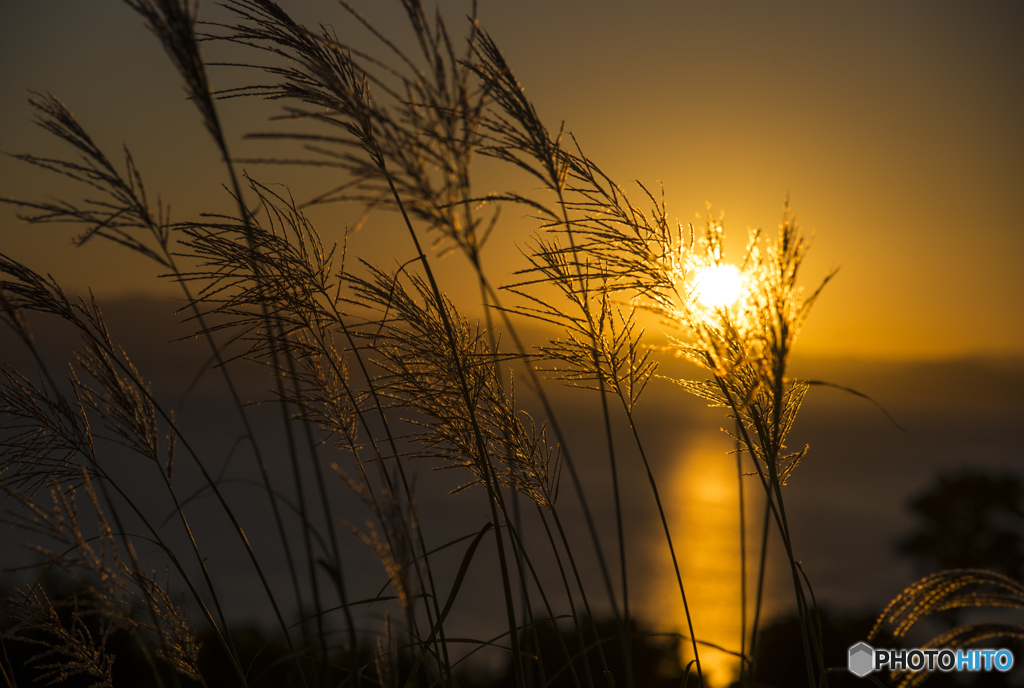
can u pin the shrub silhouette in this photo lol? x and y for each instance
(970, 520)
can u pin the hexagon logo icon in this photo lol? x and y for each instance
(862, 660)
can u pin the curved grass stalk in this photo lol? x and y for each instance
(668, 538)
(314, 330)
(55, 302)
(773, 494)
(613, 247)
(743, 563)
(762, 561)
(491, 487)
(568, 593)
(86, 449)
(63, 124)
(362, 126)
(547, 606)
(624, 621)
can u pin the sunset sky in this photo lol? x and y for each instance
(895, 129)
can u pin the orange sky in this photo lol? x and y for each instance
(896, 129)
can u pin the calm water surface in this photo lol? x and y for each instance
(846, 502)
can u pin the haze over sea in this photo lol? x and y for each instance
(847, 502)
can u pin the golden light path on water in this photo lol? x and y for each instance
(702, 506)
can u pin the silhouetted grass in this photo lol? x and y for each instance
(371, 367)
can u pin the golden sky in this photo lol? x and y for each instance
(896, 129)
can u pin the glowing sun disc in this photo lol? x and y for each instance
(719, 286)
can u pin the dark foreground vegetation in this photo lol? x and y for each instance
(372, 367)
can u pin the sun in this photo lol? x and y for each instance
(718, 286)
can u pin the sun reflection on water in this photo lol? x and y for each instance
(703, 511)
